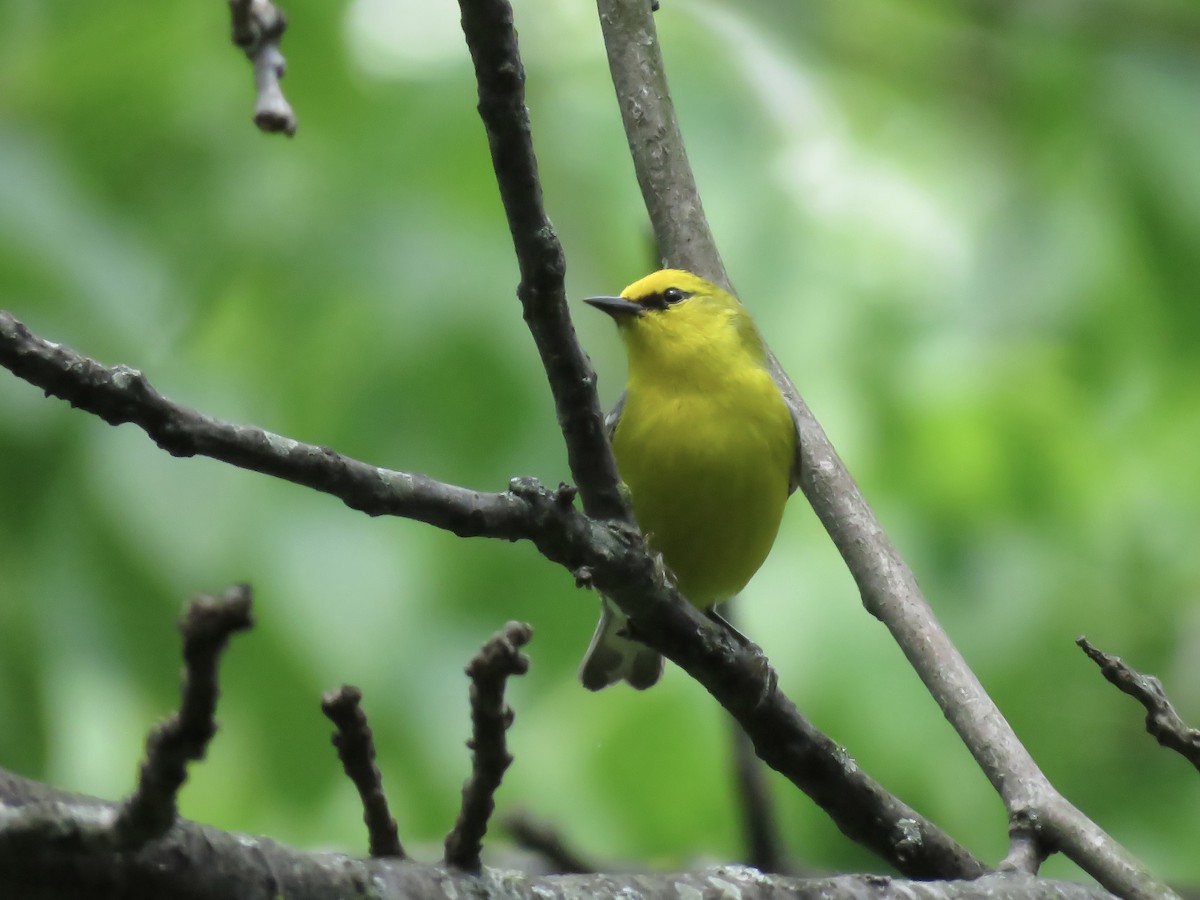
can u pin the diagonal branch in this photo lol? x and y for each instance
(546, 841)
(1163, 723)
(490, 36)
(887, 586)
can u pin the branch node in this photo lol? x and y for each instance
(526, 488)
(564, 494)
(356, 749)
(1027, 848)
(489, 671)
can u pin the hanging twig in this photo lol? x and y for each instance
(257, 27)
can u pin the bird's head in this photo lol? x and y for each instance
(672, 320)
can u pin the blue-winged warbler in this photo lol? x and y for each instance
(706, 444)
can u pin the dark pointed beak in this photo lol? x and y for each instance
(617, 307)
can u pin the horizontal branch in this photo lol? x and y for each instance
(204, 863)
(121, 395)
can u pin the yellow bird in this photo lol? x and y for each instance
(706, 444)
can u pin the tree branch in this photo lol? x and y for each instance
(150, 811)
(548, 843)
(492, 41)
(1163, 723)
(613, 553)
(206, 626)
(655, 142)
(887, 586)
(201, 863)
(760, 828)
(257, 26)
(119, 395)
(356, 749)
(489, 671)
(861, 808)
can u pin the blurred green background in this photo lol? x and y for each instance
(969, 230)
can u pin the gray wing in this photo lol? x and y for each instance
(610, 420)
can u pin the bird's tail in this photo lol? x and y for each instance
(612, 657)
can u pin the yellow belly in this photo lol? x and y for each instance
(708, 474)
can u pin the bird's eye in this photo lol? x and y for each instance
(674, 295)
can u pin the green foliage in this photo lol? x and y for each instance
(968, 230)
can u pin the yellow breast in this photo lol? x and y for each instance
(708, 466)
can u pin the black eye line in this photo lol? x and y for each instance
(667, 297)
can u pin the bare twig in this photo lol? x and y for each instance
(356, 749)
(547, 842)
(887, 586)
(492, 41)
(489, 671)
(764, 849)
(1026, 851)
(119, 395)
(257, 27)
(1163, 723)
(206, 626)
(760, 827)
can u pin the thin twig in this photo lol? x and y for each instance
(1163, 723)
(257, 26)
(489, 671)
(547, 842)
(887, 586)
(760, 828)
(356, 749)
(492, 40)
(206, 626)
